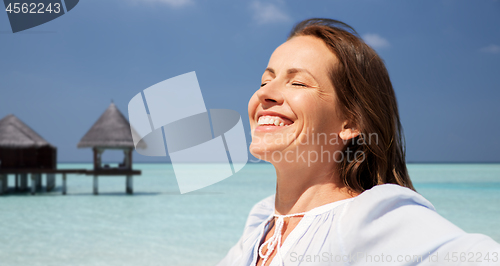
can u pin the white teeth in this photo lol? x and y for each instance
(267, 120)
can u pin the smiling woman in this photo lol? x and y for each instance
(326, 117)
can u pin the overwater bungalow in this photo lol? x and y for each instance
(24, 151)
(110, 132)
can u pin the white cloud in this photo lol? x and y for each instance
(376, 41)
(265, 13)
(491, 49)
(171, 3)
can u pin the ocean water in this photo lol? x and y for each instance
(159, 226)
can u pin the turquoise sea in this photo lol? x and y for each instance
(159, 226)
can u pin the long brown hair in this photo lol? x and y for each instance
(366, 99)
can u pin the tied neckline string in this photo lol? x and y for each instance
(275, 240)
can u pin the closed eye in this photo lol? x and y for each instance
(299, 84)
(263, 84)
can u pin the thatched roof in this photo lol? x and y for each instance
(16, 134)
(111, 130)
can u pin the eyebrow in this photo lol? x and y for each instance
(270, 70)
(291, 71)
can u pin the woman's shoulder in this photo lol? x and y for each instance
(383, 197)
(392, 207)
(395, 220)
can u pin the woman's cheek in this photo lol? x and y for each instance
(252, 106)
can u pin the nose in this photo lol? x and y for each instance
(270, 95)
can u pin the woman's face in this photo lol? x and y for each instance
(296, 103)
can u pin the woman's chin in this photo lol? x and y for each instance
(267, 153)
(258, 152)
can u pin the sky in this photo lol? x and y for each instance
(443, 58)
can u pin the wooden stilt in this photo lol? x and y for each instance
(51, 182)
(64, 184)
(24, 182)
(38, 181)
(33, 183)
(130, 189)
(5, 183)
(2, 185)
(96, 191)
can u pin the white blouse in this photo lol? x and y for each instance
(386, 225)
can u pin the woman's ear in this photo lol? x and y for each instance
(348, 132)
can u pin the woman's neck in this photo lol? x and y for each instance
(301, 188)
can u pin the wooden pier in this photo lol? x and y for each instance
(36, 175)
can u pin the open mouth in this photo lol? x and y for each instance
(272, 120)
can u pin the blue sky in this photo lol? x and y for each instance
(443, 58)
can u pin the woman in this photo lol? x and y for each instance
(326, 117)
